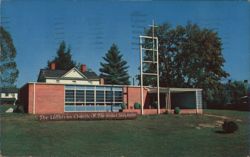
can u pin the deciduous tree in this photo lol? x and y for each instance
(189, 56)
(8, 68)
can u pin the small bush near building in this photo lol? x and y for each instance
(177, 110)
(154, 104)
(137, 105)
(19, 109)
(229, 126)
(123, 106)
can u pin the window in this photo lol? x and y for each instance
(6, 94)
(79, 87)
(118, 96)
(80, 96)
(109, 96)
(70, 104)
(92, 98)
(99, 96)
(70, 87)
(69, 95)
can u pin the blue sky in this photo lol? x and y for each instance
(90, 28)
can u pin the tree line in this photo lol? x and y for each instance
(189, 56)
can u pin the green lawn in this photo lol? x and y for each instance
(152, 136)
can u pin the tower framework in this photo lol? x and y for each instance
(151, 48)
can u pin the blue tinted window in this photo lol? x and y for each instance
(109, 96)
(69, 95)
(92, 98)
(117, 89)
(98, 88)
(70, 87)
(118, 96)
(99, 96)
(80, 88)
(80, 96)
(90, 88)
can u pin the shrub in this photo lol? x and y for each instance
(229, 126)
(123, 106)
(177, 110)
(19, 109)
(137, 105)
(154, 104)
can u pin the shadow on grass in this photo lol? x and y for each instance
(220, 132)
(223, 132)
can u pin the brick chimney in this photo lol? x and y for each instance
(52, 66)
(83, 68)
(101, 81)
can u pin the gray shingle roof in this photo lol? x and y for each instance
(44, 73)
(8, 90)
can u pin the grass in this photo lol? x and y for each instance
(162, 135)
(4, 108)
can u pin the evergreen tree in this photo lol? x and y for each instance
(8, 68)
(114, 71)
(63, 60)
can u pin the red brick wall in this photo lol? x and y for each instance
(31, 98)
(131, 95)
(23, 97)
(146, 111)
(163, 111)
(153, 111)
(49, 98)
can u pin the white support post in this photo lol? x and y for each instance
(85, 108)
(158, 78)
(113, 99)
(105, 104)
(142, 94)
(198, 96)
(169, 101)
(197, 101)
(95, 97)
(153, 41)
(75, 97)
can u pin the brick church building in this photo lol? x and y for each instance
(62, 91)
